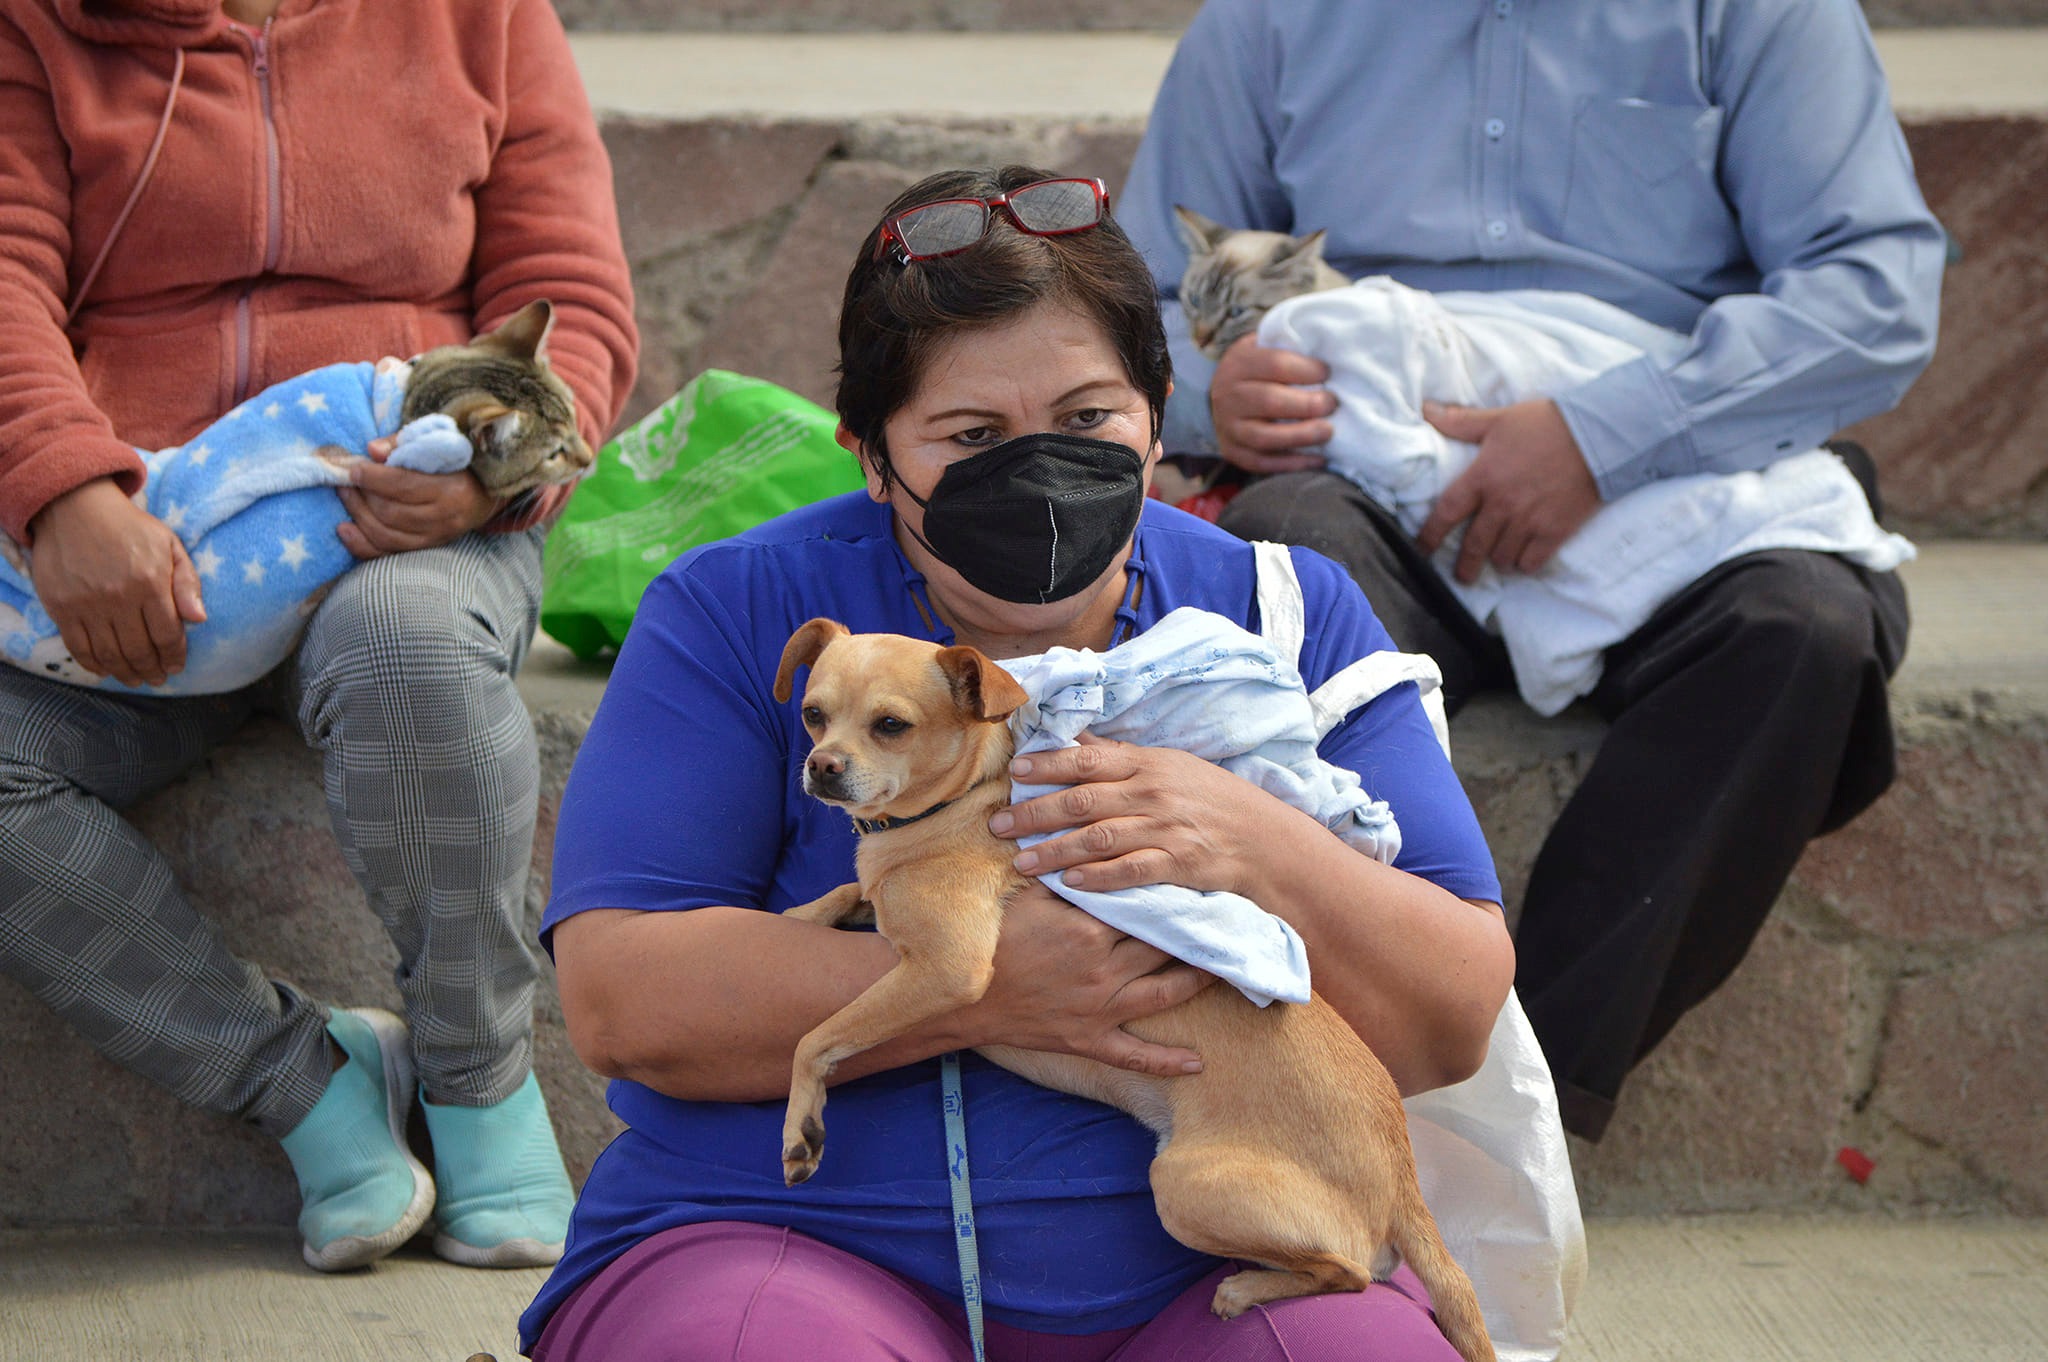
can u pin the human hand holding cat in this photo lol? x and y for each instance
(394, 510)
(1527, 491)
(1267, 413)
(117, 582)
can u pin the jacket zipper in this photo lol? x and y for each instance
(273, 239)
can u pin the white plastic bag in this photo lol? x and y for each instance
(1490, 1151)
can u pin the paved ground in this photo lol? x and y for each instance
(952, 75)
(1717, 1289)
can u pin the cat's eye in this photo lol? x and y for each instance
(1236, 310)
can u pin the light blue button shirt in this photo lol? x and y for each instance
(1730, 169)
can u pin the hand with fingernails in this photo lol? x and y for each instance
(1525, 494)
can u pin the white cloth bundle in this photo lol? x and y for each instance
(1198, 682)
(1389, 347)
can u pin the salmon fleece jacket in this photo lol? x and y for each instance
(357, 179)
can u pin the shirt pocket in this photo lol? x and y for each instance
(1643, 187)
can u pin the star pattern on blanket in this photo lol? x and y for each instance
(252, 499)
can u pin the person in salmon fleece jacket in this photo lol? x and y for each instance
(198, 199)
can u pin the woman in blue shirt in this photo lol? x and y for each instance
(1000, 346)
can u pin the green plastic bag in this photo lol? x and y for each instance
(721, 456)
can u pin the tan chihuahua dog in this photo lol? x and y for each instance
(1289, 1149)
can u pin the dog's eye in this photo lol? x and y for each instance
(813, 716)
(889, 726)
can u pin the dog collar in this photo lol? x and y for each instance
(864, 826)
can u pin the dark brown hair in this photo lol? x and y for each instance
(894, 315)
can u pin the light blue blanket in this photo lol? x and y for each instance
(1198, 682)
(252, 497)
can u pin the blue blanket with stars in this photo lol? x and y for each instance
(252, 497)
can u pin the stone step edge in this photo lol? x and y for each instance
(1935, 72)
(1979, 651)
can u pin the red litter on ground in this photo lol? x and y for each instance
(1858, 1163)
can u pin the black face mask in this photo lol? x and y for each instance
(1037, 518)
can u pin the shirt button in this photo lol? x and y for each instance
(1496, 229)
(1503, 7)
(1494, 128)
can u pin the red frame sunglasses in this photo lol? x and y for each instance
(945, 227)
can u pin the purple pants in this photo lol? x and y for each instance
(733, 1291)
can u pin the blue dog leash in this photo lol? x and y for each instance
(955, 1104)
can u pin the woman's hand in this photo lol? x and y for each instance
(1139, 815)
(118, 583)
(1066, 981)
(1416, 972)
(393, 510)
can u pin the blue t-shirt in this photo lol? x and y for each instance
(687, 793)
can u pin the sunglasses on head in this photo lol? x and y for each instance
(949, 226)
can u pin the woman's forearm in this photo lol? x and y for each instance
(1418, 972)
(709, 1004)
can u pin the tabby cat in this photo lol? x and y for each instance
(519, 417)
(1236, 275)
(252, 496)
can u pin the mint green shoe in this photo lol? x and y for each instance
(505, 1197)
(361, 1191)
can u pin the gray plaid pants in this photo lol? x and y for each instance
(404, 683)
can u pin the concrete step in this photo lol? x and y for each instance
(1893, 1004)
(1713, 1289)
(1061, 16)
(749, 167)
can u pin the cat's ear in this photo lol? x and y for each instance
(1298, 249)
(524, 334)
(1199, 233)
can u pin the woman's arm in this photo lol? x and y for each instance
(548, 223)
(1419, 973)
(709, 1004)
(52, 439)
(546, 227)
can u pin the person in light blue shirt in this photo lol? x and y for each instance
(1730, 169)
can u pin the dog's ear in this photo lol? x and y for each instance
(980, 687)
(802, 650)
